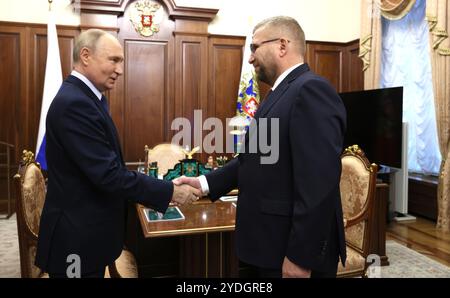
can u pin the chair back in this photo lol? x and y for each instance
(31, 189)
(166, 155)
(358, 182)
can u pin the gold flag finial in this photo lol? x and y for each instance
(50, 4)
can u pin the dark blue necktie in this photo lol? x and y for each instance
(104, 102)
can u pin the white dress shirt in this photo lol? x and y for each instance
(88, 83)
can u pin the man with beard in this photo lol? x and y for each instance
(289, 214)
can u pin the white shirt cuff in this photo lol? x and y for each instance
(204, 184)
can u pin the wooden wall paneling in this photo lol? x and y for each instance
(422, 196)
(113, 7)
(224, 70)
(142, 102)
(327, 60)
(191, 70)
(146, 69)
(337, 62)
(353, 68)
(13, 103)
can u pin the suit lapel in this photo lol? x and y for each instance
(281, 89)
(274, 96)
(74, 80)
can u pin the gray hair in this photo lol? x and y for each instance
(87, 39)
(287, 26)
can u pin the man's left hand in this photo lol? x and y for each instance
(291, 270)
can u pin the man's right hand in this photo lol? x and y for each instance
(183, 194)
(192, 181)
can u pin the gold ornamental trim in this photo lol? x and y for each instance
(365, 47)
(439, 35)
(395, 10)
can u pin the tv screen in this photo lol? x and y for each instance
(374, 122)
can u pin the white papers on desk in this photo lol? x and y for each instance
(229, 198)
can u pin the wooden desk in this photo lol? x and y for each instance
(200, 217)
(201, 245)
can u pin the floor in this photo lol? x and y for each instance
(422, 236)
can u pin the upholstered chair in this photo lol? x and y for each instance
(166, 155)
(124, 267)
(31, 190)
(358, 181)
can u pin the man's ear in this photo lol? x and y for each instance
(283, 47)
(85, 53)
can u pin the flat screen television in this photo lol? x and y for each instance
(374, 122)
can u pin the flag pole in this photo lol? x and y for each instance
(50, 5)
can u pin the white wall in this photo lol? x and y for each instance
(322, 20)
(35, 11)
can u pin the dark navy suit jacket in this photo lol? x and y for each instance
(292, 207)
(88, 184)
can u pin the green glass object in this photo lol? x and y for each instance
(202, 170)
(153, 169)
(173, 173)
(189, 167)
(153, 172)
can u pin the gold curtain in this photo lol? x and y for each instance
(438, 13)
(395, 9)
(370, 43)
(370, 39)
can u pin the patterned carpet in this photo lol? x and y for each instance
(9, 248)
(404, 262)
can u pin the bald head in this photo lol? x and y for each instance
(283, 26)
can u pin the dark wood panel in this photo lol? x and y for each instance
(10, 94)
(327, 61)
(191, 68)
(353, 69)
(337, 62)
(13, 104)
(422, 197)
(225, 59)
(145, 93)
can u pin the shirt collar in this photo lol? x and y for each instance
(88, 83)
(284, 75)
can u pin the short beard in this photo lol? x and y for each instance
(265, 76)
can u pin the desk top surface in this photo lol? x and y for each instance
(201, 217)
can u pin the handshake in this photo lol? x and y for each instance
(186, 190)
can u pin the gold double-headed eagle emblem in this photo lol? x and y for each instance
(146, 15)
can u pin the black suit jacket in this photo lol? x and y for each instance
(292, 207)
(88, 184)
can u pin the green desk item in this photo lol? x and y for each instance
(172, 213)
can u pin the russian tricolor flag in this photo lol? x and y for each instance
(52, 83)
